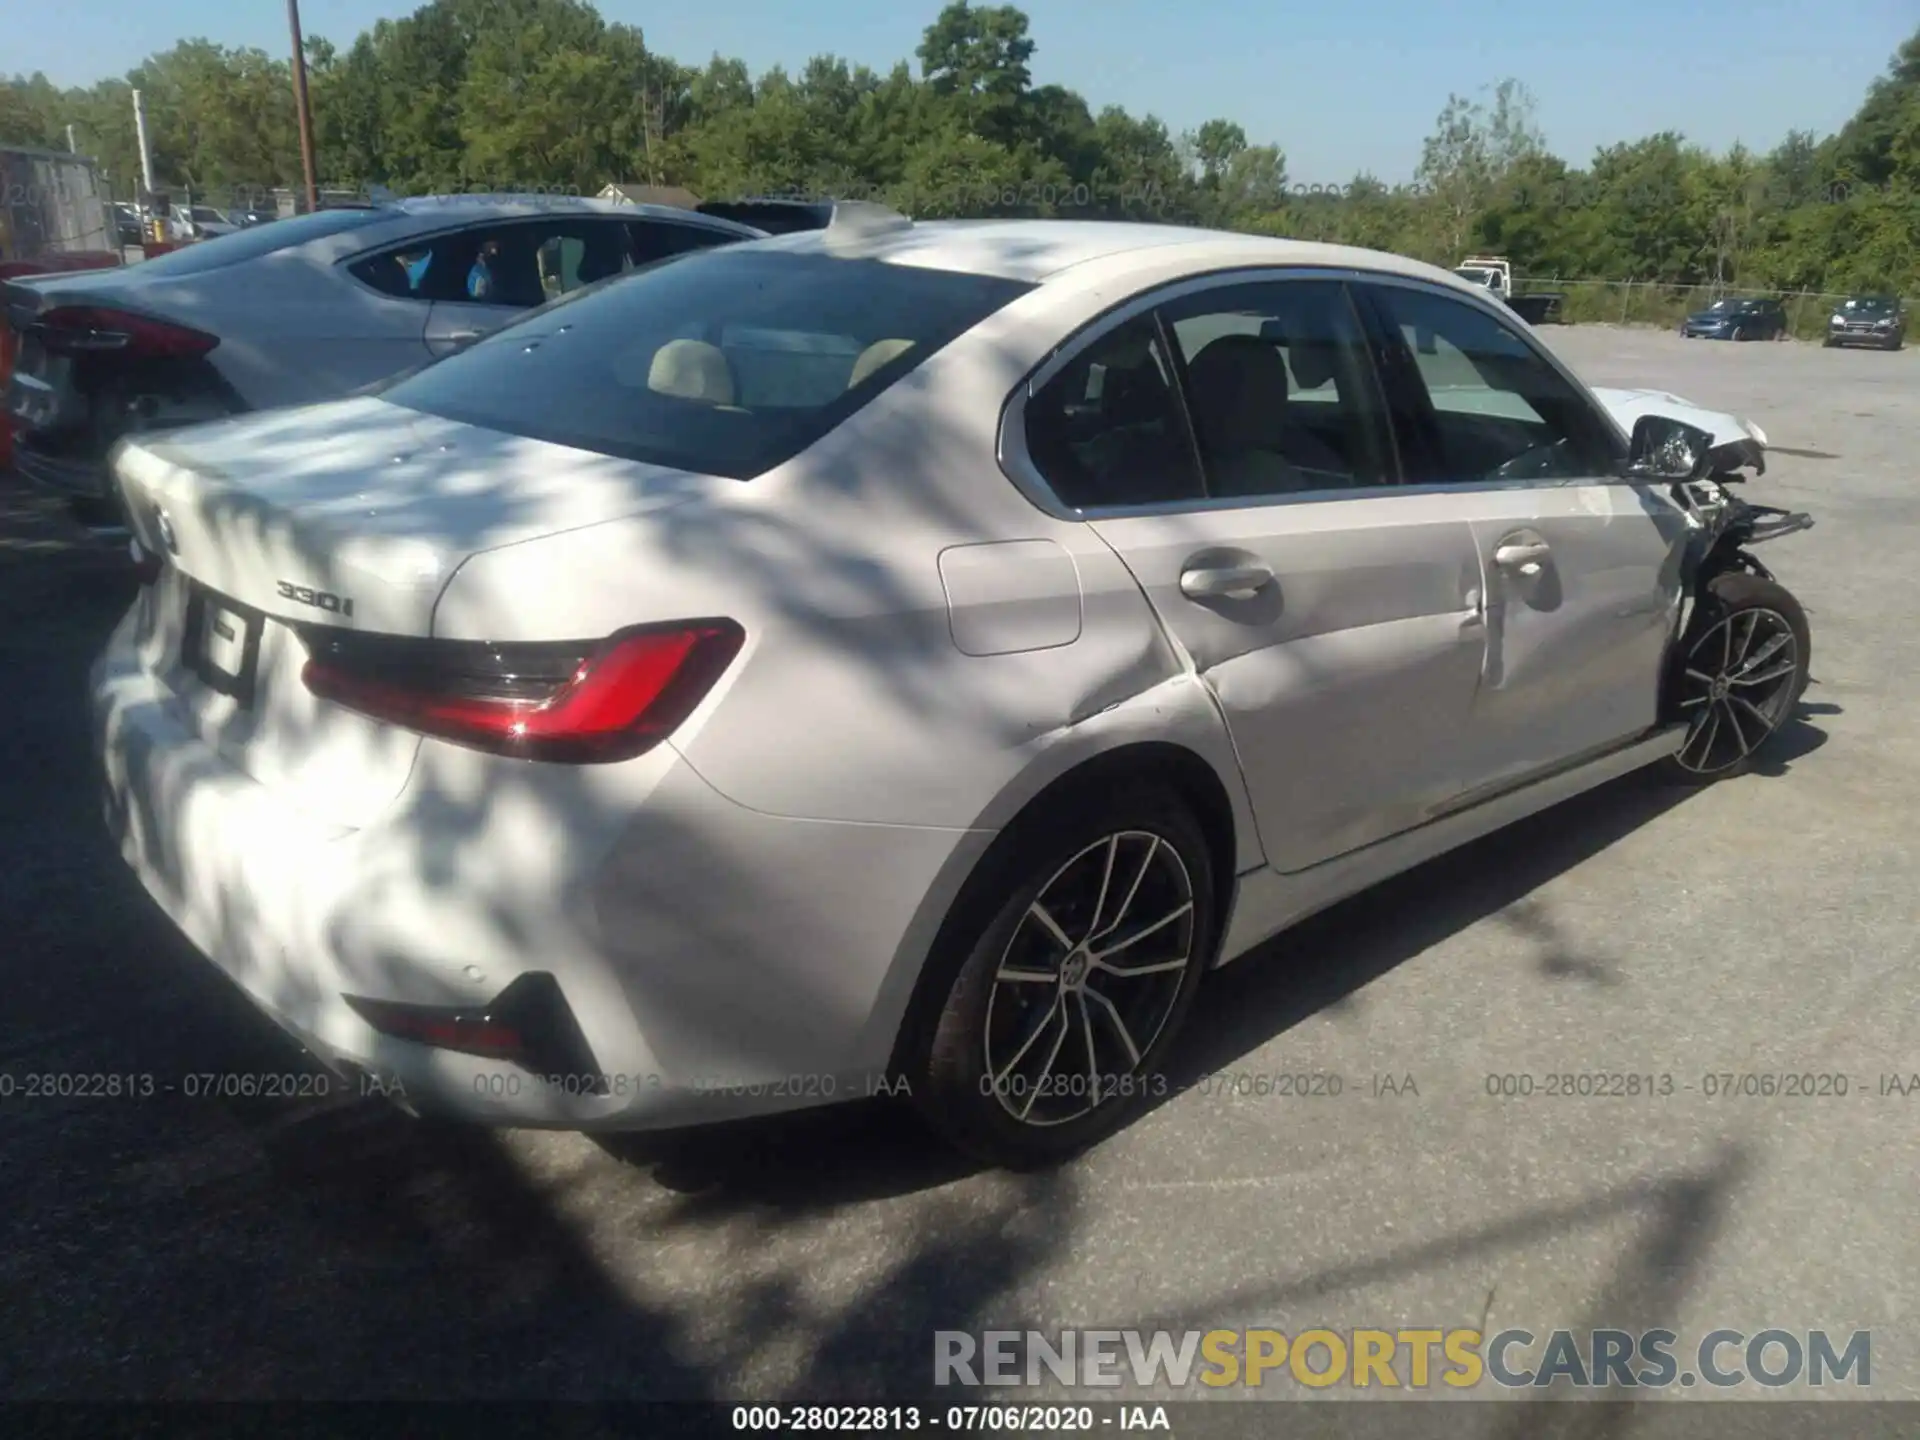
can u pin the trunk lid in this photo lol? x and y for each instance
(352, 514)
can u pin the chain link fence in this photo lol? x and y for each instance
(1654, 302)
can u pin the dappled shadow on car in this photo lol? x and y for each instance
(157, 1245)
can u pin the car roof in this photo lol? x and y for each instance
(1036, 251)
(455, 209)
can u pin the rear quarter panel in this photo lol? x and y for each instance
(855, 572)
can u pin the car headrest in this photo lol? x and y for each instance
(1312, 362)
(881, 352)
(691, 370)
(1239, 389)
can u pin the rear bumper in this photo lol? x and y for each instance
(719, 962)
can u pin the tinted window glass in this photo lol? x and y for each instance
(1108, 430)
(726, 361)
(251, 244)
(655, 239)
(1498, 411)
(516, 266)
(1282, 389)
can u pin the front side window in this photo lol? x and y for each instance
(728, 361)
(1481, 404)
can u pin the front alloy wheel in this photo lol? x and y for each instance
(1063, 976)
(1739, 677)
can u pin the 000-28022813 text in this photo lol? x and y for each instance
(900, 1419)
(195, 1085)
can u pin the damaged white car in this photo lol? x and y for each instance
(1748, 440)
(897, 658)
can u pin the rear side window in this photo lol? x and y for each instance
(252, 243)
(727, 361)
(657, 239)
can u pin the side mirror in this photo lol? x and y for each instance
(1665, 449)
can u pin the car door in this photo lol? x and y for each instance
(1580, 569)
(484, 275)
(1231, 445)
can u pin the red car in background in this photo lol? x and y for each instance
(54, 216)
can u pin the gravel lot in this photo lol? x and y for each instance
(170, 1248)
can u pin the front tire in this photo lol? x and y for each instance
(1738, 334)
(1061, 982)
(1736, 676)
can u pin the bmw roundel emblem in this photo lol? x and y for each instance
(165, 527)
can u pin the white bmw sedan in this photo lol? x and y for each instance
(896, 657)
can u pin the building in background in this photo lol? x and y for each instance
(634, 194)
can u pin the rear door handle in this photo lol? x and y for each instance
(461, 337)
(1212, 582)
(1526, 557)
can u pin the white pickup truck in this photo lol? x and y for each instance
(1494, 274)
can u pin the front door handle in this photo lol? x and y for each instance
(464, 337)
(1525, 557)
(1213, 582)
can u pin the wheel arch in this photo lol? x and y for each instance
(1182, 770)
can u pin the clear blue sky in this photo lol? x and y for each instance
(1341, 87)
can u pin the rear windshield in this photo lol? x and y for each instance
(251, 244)
(724, 361)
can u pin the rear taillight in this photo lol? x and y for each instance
(76, 328)
(582, 703)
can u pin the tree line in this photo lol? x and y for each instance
(511, 94)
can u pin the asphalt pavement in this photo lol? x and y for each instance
(172, 1247)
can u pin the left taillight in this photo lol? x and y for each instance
(75, 329)
(576, 702)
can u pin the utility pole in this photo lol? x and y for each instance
(304, 112)
(146, 151)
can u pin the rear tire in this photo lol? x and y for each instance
(1043, 1033)
(1736, 676)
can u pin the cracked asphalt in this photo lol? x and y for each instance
(173, 1248)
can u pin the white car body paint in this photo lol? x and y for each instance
(928, 648)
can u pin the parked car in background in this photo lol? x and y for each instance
(304, 309)
(1737, 319)
(201, 222)
(55, 217)
(895, 656)
(1876, 320)
(127, 226)
(252, 215)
